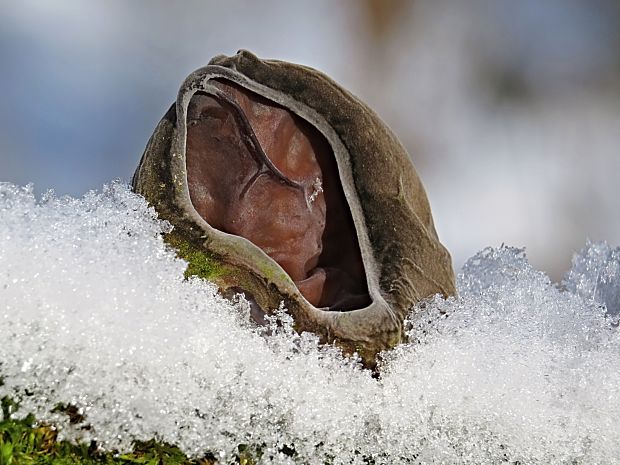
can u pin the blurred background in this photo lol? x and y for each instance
(510, 110)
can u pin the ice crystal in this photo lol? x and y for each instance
(595, 275)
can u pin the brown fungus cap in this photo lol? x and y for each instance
(283, 185)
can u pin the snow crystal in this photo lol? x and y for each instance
(95, 312)
(595, 275)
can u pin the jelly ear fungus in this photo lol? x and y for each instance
(282, 185)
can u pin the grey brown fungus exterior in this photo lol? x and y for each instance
(284, 186)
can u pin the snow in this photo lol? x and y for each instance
(95, 312)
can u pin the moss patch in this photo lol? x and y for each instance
(24, 442)
(200, 263)
(21, 442)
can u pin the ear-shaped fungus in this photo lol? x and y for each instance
(284, 186)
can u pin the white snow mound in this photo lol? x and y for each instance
(95, 312)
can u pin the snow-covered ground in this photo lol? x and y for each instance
(94, 311)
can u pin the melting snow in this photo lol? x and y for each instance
(95, 312)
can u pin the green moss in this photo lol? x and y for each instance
(22, 442)
(200, 263)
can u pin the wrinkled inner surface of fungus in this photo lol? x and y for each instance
(258, 171)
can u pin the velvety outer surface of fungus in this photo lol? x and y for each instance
(258, 171)
(264, 162)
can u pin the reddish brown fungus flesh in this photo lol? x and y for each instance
(258, 171)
